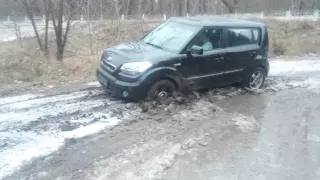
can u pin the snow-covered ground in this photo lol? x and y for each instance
(34, 125)
(295, 74)
(8, 32)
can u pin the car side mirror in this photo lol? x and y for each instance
(198, 50)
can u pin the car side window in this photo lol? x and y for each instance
(242, 36)
(209, 39)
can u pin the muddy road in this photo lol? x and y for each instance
(226, 133)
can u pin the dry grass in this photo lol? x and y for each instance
(293, 38)
(23, 62)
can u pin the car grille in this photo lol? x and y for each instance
(109, 66)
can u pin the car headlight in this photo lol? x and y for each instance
(135, 68)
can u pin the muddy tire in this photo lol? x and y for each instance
(255, 79)
(161, 89)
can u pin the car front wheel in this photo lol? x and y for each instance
(255, 79)
(161, 89)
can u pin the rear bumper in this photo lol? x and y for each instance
(267, 66)
(136, 90)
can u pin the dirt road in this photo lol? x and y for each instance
(222, 134)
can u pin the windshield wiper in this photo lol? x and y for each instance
(154, 45)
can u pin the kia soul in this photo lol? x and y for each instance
(187, 54)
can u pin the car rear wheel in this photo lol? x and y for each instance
(255, 79)
(161, 89)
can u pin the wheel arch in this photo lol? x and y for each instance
(163, 73)
(263, 67)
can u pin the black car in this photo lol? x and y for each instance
(187, 54)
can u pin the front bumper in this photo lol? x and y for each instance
(136, 90)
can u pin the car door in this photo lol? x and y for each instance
(206, 70)
(210, 68)
(241, 49)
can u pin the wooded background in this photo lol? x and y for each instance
(109, 8)
(61, 15)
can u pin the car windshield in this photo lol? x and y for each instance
(171, 36)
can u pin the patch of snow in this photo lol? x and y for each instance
(294, 74)
(95, 84)
(7, 30)
(50, 86)
(309, 83)
(21, 98)
(21, 104)
(245, 124)
(290, 67)
(314, 138)
(13, 120)
(19, 148)
(29, 145)
(92, 128)
(26, 130)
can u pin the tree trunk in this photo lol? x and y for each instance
(60, 48)
(302, 5)
(173, 7)
(116, 7)
(35, 6)
(201, 7)
(89, 27)
(57, 21)
(46, 49)
(128, 6)
(229, 7)
(60, 52)
(180, 4)
(58, 28)
(187, 6)
(161, 9)
(101, 9)
(139, 6)
(204, 6)
(28, 8)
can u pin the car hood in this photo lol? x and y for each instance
(135, 52)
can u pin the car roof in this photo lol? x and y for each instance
(213, 21)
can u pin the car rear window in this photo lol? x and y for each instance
(243, 36)
(256, 35)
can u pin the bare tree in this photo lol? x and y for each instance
(161, 6)
(187, 6)
(87, 11)
(12, 12)
(58, 13)
(27, 6)
(302, 5)
(128, 6)
(46, 31)
(201, 5)
(116, 7)
(180, 7)
(231, 7)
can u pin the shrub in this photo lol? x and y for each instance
(304, 26)
(278, 47)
